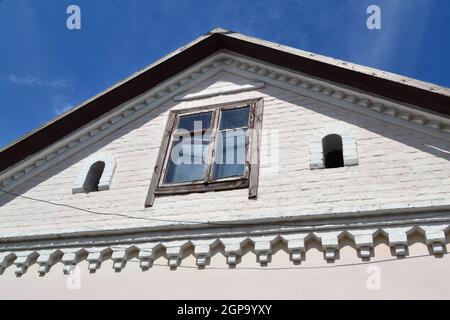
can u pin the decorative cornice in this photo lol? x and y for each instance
(264, 246)
(321, 88)
(221, 91)
(425, 122)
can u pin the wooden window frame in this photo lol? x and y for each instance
(253, 145)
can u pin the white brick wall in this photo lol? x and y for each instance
(397, 168)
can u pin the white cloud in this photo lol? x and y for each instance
(60, 104)
(30, 81)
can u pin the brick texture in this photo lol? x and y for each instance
(397, 168)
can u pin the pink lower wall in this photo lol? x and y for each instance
(412, 278)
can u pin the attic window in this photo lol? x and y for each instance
(333, 147)
(332, 151)
(96, 174)
(209, 149)
(93, 176)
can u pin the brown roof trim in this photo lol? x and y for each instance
(377, 82)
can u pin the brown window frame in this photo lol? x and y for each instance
(251, 173)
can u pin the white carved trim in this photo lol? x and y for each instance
(338, 95)
(349, 147)
(107, 175)
(47, 259)
(24, 260)
(6, 259)
(435, 237)
(174, 252)
(220, 91)
(71, 257)
(233, 248)
(96, 256)
(121, 255)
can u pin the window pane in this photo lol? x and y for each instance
(234, 118)
(187, 159)
(200, 120)
(230, 154)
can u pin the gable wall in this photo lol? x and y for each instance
(398, 168)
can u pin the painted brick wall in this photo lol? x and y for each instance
(398, 168)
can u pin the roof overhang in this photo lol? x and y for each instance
(425, 96)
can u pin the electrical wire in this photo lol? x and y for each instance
(115, 214)
(300, 267)
(186, 222)
(215, 224)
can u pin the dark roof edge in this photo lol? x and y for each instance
(427, 96)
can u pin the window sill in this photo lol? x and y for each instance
(213, 186)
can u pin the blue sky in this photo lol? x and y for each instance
(46, 68)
